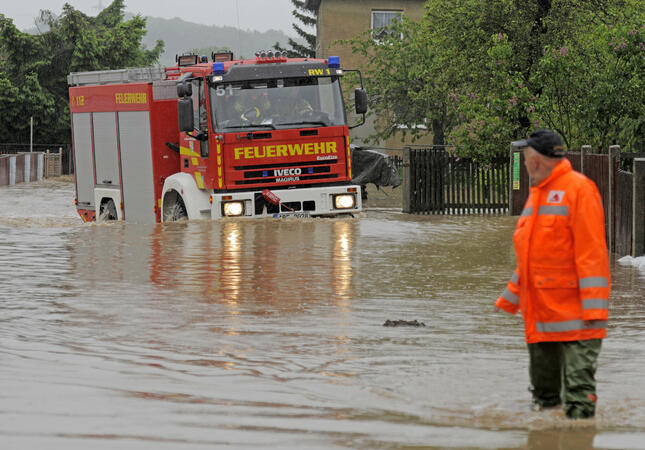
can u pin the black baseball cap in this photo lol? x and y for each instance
(546, 142)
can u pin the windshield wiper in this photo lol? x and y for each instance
(252, 125)
(305, 122)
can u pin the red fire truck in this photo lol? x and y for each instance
(207, 139)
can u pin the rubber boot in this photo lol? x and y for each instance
(545, 373)
(581, 362)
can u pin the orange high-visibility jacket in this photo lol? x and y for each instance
(562, 279)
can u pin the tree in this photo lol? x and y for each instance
(34, 68)
(570, 81)
(594, 92)
(480, 73)
(408, 88)
(307, 17)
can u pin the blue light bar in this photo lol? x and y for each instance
(333, 62)
(218, 68)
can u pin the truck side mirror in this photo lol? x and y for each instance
(184, 89)
(185, 114)
(360, 100)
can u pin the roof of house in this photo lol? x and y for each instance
(315, 4)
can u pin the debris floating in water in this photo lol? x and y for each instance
(403, 323)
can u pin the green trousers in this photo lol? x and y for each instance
(563, 372)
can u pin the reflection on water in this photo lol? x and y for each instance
(269, 333)
(268, 262)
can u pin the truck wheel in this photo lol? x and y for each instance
(176, 211)
(108, 211)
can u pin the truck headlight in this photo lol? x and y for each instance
(344, 201)
(233, 208)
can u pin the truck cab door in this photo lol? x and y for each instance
(195, 149)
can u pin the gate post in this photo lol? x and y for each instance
(583, 151)
(614, 150)
(515, 204)
(27, 159)
(12, 169)
(638, 208)
(407, 181)
(41, 166)
(59, 164)
(71, 164)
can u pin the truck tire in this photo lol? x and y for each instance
(107, 211)
(176, 211)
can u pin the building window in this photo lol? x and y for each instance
(381, 20)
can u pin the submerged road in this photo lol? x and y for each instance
(269, 334)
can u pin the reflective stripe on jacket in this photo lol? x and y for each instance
(562, 279)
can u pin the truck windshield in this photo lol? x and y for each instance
(277, 103)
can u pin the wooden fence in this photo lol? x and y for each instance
(629, 201)
(437, 182)
(638, 206)
(53, 164)
(623, 213)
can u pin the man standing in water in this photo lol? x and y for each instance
(561, 282)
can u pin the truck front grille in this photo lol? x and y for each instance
(286, 172)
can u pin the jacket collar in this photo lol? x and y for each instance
(563, 167)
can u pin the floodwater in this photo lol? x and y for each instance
(269, 334)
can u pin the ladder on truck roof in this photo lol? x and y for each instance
(119, 76)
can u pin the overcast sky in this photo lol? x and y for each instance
(258, 15)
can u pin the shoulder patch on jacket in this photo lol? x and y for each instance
(555, 197)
